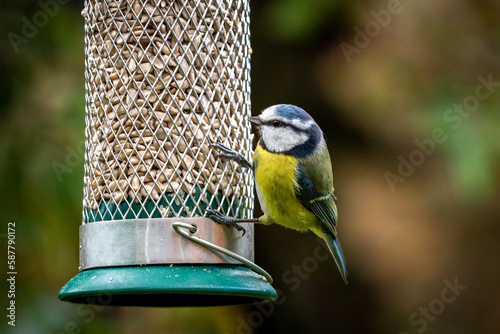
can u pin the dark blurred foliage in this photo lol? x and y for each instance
(402, 243)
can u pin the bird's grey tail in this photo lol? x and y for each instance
(338, 255)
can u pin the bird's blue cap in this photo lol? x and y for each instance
(290, 111)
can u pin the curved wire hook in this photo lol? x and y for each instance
(192, 229)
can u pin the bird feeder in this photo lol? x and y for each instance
(164, 80)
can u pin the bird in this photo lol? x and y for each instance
(293, 177)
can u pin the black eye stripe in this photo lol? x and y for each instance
(270, 123)
(284, 124)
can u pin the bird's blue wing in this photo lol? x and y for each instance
(321, 203)
(318, 197)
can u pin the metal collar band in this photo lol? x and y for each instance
(154, 241)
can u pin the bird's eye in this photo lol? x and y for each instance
(276, 123)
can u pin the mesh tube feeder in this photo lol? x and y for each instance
(164, 80)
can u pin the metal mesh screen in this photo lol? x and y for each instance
(164, 80)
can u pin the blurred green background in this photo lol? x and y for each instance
(381, 78)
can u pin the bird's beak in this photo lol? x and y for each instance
(255, 120)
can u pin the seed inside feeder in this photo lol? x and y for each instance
(165, 79)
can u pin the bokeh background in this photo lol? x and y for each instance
(407, 234)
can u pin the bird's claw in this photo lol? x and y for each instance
(222, 219)
(223, 148)
(229, 154)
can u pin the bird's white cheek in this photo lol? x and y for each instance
(282, 139)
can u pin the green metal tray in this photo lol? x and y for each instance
(171, 285)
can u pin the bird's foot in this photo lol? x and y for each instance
(230, 154)
(222, 219)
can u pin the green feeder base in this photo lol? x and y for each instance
(170, 285)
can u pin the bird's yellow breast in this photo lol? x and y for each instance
(275, 177)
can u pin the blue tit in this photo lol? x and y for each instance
(293, 177)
